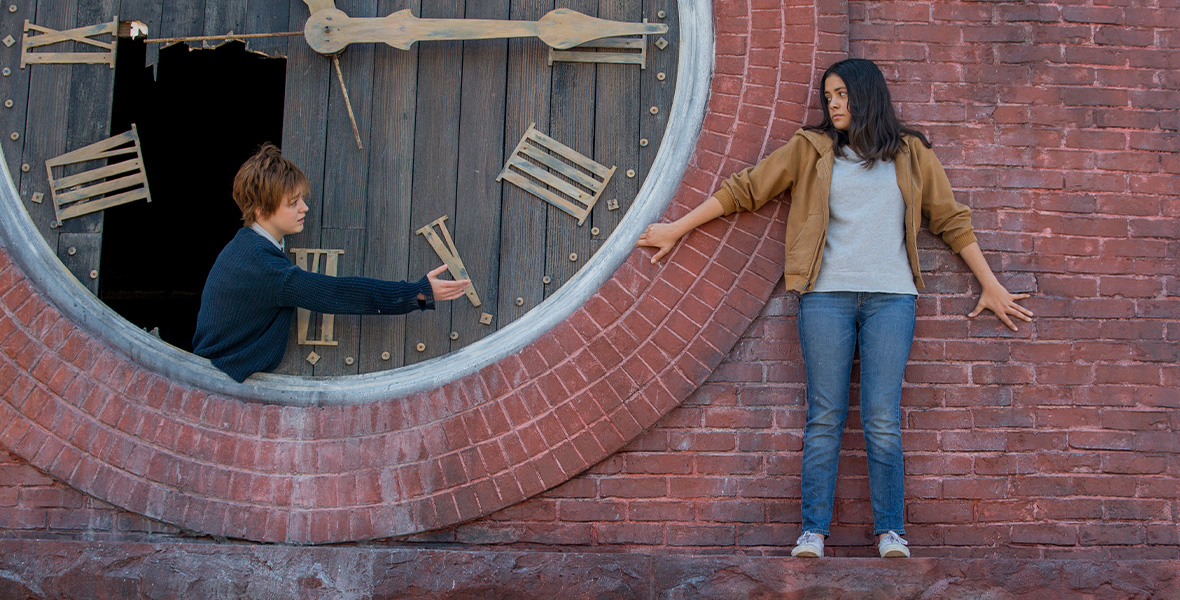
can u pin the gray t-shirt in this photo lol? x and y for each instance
(865, 247)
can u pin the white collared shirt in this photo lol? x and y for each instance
(266, 235)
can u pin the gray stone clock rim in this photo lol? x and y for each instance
(40, 264)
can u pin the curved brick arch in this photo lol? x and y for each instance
(95, 420)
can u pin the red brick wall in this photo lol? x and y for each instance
(1058, 125)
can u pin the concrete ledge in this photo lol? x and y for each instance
(66, 569)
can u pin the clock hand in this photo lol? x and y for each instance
(347, 103)
(329, 30)
(318, 5)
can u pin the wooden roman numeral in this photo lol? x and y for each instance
(619, 51)
(449, 254)
(81, 35)
(302, 315)
(556, 173)
(103, 187)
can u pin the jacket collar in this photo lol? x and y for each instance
(820, 141)
(824, 144)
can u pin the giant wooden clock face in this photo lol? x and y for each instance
(436, 125)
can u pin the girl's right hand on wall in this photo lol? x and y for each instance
(662, 236)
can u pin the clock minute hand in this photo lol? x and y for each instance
(329, 31)
(317, 5)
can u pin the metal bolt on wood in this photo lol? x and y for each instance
(573, 257)
(11, 8)
(313, 358)
(8, 103)
(631, 173)
(94, 274)
(546, 280)
(15, 136)
(72, 251)
(519, 301)
(655, 110)
(454, 335)
(6, 71)
(348, 360)
(595, 231)
(661, 76)
(661, 14)
(643, 142)
(421, 347)
(25, 168)
(385, 355)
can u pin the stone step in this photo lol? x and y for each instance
(74, 569)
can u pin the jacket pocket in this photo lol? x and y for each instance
(801, 245)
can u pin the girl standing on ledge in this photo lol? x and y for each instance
(860, 184)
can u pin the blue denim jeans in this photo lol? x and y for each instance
(832, 325)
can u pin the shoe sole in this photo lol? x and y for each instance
(895, 554)
(806, 554)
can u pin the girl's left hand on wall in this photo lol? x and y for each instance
(1003, 303)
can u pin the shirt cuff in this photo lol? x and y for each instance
(427, 301)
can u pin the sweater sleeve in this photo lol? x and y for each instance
(352, 295)
(947, 217)
(752, 187)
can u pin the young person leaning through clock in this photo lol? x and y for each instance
(253, 289)
(860, 182)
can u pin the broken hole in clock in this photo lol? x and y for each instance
(155, 257)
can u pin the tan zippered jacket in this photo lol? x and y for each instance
(804, 167)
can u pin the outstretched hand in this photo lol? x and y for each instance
(445, 289)
(1003, 303)
(662, 236)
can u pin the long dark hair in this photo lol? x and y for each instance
(875, 131)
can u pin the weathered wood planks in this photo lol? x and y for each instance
(71, 107)
(345, 182)
(436, 155)
(656, 91)
(13, 120)
(387, 210)
(481, 154)
(617, 128)
(437, 123)
(305, 120)
(571, 122)
(523, 220)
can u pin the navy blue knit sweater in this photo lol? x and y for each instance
(251, 295)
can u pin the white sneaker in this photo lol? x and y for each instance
(893, 546)
(809, 545)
